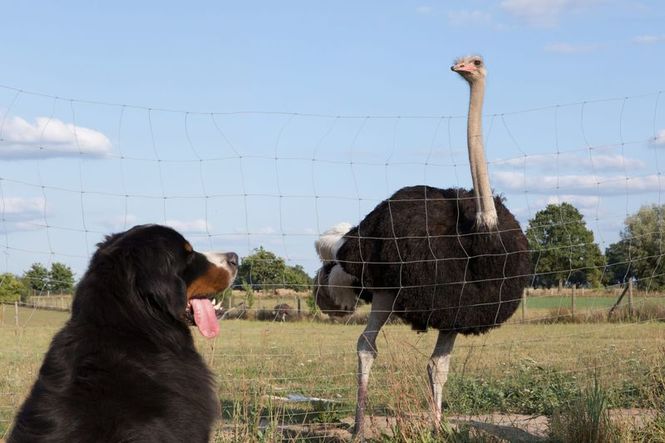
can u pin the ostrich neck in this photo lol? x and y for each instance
(485, 209)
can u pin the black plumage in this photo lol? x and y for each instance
(422, 244)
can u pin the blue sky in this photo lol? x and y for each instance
(262, 123)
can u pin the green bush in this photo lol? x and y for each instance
(12, 288)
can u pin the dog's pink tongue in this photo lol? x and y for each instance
(204, 317)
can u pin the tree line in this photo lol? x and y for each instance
(37, 280)
(564, 250)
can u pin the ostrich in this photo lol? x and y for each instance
(449, 259)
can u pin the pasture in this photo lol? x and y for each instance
(298, 378)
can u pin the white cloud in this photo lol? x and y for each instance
(577, 184)
(264, 230)
(119, 222)
(606, 162)
(649, 39)
(424, 9)
(582, 202)
(567, 48)
(22, 214)
(126, 221)
(466, 17)
(545, 13)
(568, 161)
(49, 138)
(660, 138)
(190, 226)
(22, 208)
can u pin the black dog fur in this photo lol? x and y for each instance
(124, 368)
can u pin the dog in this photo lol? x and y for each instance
(124, 367)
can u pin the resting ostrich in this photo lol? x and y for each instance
(449, 259)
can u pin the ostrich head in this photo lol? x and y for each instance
(471, 68)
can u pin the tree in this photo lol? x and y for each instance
(618, 269)
(37, 277)
(564, 248)
(60, 279)
(265, 270)
(643, 239)
(296, 278)
(12, 288)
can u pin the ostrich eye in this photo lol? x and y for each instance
(477, 62)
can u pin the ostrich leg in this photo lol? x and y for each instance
(437, 368)
(382, 304)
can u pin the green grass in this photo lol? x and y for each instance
(594, 302)
(527, 368)
(586, 419)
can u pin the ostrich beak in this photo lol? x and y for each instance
(461, 67)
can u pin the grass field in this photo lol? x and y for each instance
(520, 368)
(585, 302)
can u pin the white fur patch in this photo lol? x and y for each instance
(331, 240)
(218, 259)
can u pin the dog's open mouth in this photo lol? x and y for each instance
(203, 313)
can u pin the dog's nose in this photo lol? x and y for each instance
(232, 258)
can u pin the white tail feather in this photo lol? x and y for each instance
(330, 241)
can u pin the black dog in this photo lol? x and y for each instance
(124, 367)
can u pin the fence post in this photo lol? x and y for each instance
(524, 292)
(16, 323)
(298, 301)
(572, 304)
(630, 298)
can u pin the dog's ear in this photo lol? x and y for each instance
(160, 287)
(163, 293)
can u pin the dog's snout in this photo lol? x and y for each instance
(232, 258)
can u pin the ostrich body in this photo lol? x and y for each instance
(449, 259)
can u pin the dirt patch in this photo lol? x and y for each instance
(508, 427)
(503, 427)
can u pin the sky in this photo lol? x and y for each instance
(246, 124)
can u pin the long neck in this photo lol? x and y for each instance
(485, 209)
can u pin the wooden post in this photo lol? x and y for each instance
(628, 286)
(524, 296)
(298, 300)
(560, 287)
(572, 300)
(630, 298)
(16, 323)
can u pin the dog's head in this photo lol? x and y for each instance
(153, 269)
